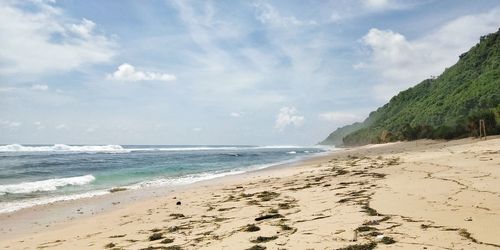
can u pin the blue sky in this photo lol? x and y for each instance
(218, 72)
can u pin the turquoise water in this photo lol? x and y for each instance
(40, 174)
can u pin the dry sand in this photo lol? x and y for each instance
(407, 195)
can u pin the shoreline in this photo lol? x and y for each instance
(69, 210)
(152, 185)
(414, 193)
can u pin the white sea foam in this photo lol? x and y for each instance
(291, 152)
(278, 147)
(45, 185)
(185, 180)
(64, 148)
(192, 178)
(201, 148)
(7, 207)
(184, 149)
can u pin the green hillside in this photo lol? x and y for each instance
(337, 136)
(446, 107)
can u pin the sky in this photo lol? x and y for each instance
(218, 72)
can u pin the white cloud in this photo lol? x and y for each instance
(10, 124)
(127, 72)
(345, 10)
(236, 114)
(90, 129)
(197, 129)
(43, 40)
(267, 14)
(377, 4)
(340, 117)
(61, 126)
(288, 116)
(84, 29)
(7, 89)
(38, 125)
(401, 63)
(41, 87)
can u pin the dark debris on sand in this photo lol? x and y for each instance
(262, 239)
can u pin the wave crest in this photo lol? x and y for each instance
(64, 148)
(45, 185)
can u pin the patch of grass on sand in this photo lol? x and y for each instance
(285, 227)
(253, 202)
(167, 240)
(367, 246)
(464, 233)
(272, 211)
(155, 236)
(117, 189)
(225, 209)
(251, 228)
(220, 219)
(378, 175)
(110, 245)
(267, 195)
(231, 198)
(162, 248)
(262, 239)
(173, 248)
(284, 206)
(118, 236)
(365, 229)
(342, 172)
(257, 247)
(344, 200)
(268, 216)
(177, 216)
(393, 161)
(374, 233)
(387, 240)
(376, 222)
(243, 195)
(370, 211)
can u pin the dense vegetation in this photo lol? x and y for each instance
(449, 106)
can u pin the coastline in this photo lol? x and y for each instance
(401, 191)
(35, 218)
(158, 181)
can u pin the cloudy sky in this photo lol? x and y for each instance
(218, 72)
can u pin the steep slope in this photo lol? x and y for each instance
(337, 136)
(445, 107)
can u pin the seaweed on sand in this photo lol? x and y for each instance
(268, 216)
(257, 247)
(267, 195)
(367, 246)
(251, 228)
(155, 236)
(262, 239)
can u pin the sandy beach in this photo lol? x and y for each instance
(406, 195)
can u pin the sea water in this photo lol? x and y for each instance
(33, 175)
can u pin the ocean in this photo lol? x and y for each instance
(33, 175)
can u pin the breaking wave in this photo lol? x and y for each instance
(64, 148)
(45, 185)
